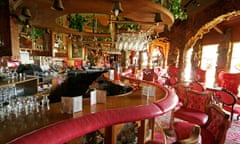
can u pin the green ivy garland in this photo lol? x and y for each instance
(175, 7)
(36, 33)
(176, 10)
(76, 22)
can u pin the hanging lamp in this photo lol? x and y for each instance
(117, 8)
(57, 5)
(26, 12)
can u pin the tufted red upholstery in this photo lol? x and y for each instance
(195, 85)
(230, 81)
(200, 75)
(173, 71)
(196, 102)
(182, 130)
(171, 81)
(213, 132)
(172, 78)
(225, 99)
(194, 108)
(149, 75)
(180, 90)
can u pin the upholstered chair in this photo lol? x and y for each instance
(194, 137)
(173, 71)
(194, 108)
(171, 81)
(195, 85)
(230, 81)
(227, 100)
(200, 75)
(212, 132)
(149, 75)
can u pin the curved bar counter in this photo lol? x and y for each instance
(117, 110)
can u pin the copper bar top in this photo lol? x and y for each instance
(9, 81)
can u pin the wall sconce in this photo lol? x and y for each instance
(26, 12)
(57, 5)
(117, 8)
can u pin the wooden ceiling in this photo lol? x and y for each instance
(196, 6)
(141, 11)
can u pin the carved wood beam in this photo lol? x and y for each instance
(134, 22)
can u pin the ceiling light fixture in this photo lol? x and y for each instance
(26, 12)
(117, 8)
(57, 5)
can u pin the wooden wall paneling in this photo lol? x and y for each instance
(5, 49)
(14, 35)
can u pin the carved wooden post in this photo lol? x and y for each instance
(224, 53)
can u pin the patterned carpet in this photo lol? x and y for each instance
(233, 134)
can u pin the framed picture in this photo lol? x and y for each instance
(77, 51)
(60, 41)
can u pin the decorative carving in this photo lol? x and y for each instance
(210, 25)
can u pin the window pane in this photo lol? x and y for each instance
(208, 62)
(235, 61)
